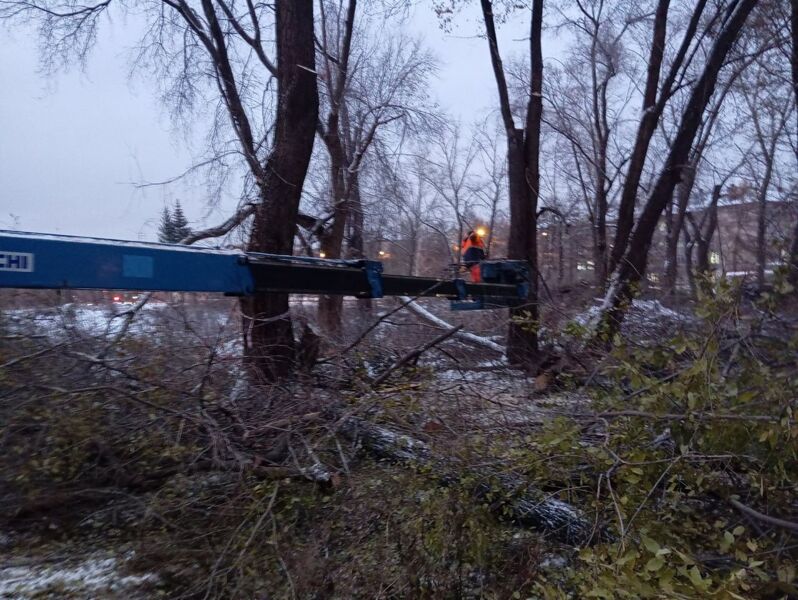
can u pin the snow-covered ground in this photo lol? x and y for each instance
(99, 320)
(90, 319)
(643, 313)
(97, 576)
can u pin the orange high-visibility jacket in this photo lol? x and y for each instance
(473, 249)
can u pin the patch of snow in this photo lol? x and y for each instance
(553, 562)
(399, 440)
(87, 577)
(642, 312)
(104, 320)
(746, 273)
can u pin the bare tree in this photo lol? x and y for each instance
(698, 237)
(450, 174)
(492, 186)
(632, 268)
(270, 343)
(655, 99)
(417, 210)
(216, 48)
(368, 83)
(588, 112)
(713, 130)
(769, 110)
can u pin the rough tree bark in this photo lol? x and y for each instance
(268, 335)
(632, 267)
(523, 153)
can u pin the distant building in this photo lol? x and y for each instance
(565, 251)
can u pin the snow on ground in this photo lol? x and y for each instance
(93, 577)
(497, 396)
(106, 320)
(643, 313)
(90, 319)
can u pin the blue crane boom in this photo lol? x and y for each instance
(47, 261)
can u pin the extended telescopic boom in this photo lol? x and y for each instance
(45, 261)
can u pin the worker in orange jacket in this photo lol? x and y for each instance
(473, 249)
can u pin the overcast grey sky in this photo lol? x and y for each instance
(72, 146)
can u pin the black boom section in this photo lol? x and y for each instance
(351, 278)
(398, 285)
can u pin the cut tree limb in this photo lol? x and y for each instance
(517, 500)
(698, 416)
(469, 338)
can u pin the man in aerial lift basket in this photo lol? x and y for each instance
(474, 253)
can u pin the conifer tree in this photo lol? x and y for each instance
(166, 229)
(180, 228)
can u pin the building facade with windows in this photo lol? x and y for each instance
(566, 252)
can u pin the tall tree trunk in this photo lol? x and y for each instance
(523, 150)
(685, 190)
(707, 233)
(761, 222)
(701, 239)
(522, 342)
(652, 111)
(648, 124)
(602, 137)
(357, 219)
(626, 278)
(793, 264)
(268, 335)
(600, 245)
(357, 241)
(336, 77)
(332, 239)
(689, 246)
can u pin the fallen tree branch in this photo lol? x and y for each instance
(469, 338)
(415, 353)
(755, 514)
(700, 416)
(35, 506)
(20, 359)
(376, 324)
(521, 504)
(127, 317)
